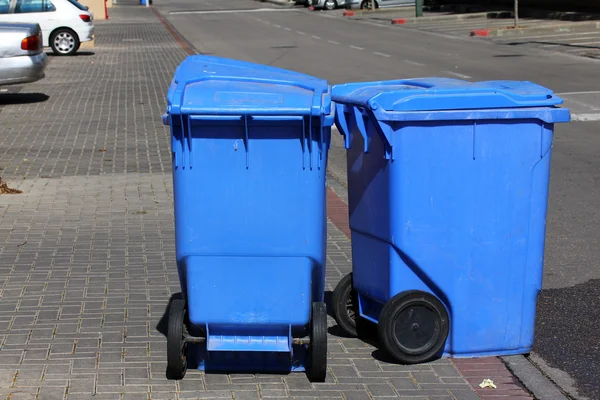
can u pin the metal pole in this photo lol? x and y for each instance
(372, 5)
(516, 13)
(419, 8)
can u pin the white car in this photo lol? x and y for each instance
(65, 23)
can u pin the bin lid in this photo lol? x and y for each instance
(431, 94)
(219, 86)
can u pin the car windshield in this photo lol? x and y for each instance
(78, 5)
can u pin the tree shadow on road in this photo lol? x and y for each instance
(579, 46)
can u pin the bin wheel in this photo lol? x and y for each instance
(413, 327)
(317, 350)
(345, 305)
(176, 346)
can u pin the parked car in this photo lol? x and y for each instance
(65, 23)
(22, 57)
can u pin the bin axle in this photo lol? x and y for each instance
(196, 340)
(193, 339)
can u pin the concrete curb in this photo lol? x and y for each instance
(425, 19)
(541, 387)
(384, 11)
(539, 29)
(443, 18)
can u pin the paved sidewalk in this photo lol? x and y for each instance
(87, 251)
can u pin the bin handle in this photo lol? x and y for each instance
(342, 124)
(181, 90)
(187, 136)
(383, 130)
(360, 123)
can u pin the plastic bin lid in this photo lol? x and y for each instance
(220, 86)
(431, 94)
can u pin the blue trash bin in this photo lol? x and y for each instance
(249, 147)
(448, 187)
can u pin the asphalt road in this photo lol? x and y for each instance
(339, 50)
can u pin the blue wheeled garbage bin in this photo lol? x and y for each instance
(448, 188)
(249, 147)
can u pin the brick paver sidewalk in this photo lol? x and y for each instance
(87, 251)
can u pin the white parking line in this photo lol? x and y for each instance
(463, 76)
(418, 64)
(576, 93)
(233, 11)
(301, 33)
(277, 26)
(585, 117)
(333, 42)
(558, 35)
(356, 47)
(316, 37)
(381, 54)
(287, 29)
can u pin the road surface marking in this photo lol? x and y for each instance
(333, 42)
(463, 76)
(574, 93)
(585, 117)
(356, 47)
(287, 29)
(414, 63)
(277, 26)
(520, 38)
(300, 33)
(233, 11)
(316, 37)
(381, 54)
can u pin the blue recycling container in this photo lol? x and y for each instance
(448, 189)
(249, 147)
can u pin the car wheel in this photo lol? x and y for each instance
(330, 5)
(366, 5)
(64, 42)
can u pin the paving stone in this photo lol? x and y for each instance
(95, 276)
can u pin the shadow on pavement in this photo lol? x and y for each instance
(78, 54)
(577, 46)
(22, 98)
(163, 324)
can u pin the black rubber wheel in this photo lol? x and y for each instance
(413, 327)
(345, 306)
(366, 5)
(176, 347)
(317, 350)
(64, 42)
